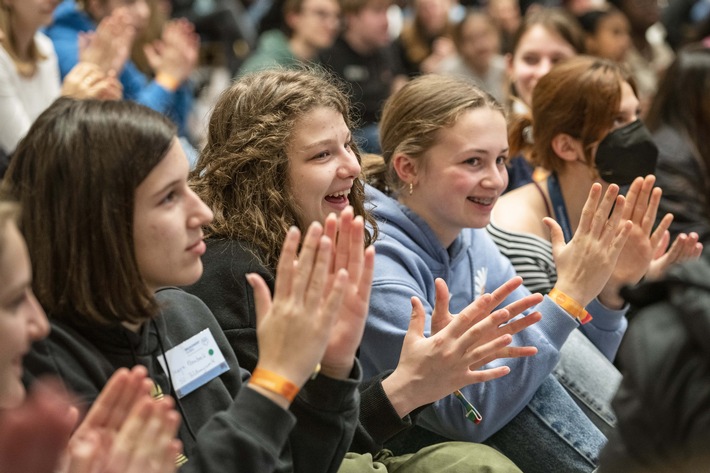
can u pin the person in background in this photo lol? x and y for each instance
(306, 28)
(546, 37)
(29, 74)
(678, 118)
(608, 33)
(649, 54)
(606, 145)
(507, 17)
(363, 57)
(426, 37)
(662, 402)
(478, 57)
(172, 59)
(39, 434)
(124, 204)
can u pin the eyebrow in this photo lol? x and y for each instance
(166, 187)
(325, 141)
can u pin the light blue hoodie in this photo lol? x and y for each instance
(409, 258)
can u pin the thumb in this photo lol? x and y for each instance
(262, 296)
(662, 246)
(151, 55)
(417, 320)
(557, 238)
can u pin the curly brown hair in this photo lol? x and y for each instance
(242, 172)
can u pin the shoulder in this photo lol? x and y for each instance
(521, 211)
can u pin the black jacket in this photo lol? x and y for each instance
(225, 428)
(663, 403)
(223, 287)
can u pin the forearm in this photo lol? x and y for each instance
(327, 413)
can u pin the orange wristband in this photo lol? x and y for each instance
(574, 308)
(274, 383)
(167, 81)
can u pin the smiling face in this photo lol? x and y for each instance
(539, 49)
(22, 320)
(322, 165)
(459, 178)
(167, 224)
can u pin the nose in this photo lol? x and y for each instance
(543, 67)
(348, 167)
(37, 323)
(200, 214)
(496, 178)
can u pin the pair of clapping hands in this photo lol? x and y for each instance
(125, 431)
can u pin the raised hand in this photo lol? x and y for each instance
(431, 368)
(293, 330)
(684, 248)
(175, 54)
(642, 202)
(350, 254)
(109, 47)
(88, 81)
(145, 443)
(34, 435)
(585, 264)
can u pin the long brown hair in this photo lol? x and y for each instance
(75, 176)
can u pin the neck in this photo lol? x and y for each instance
(575, 181)
(445, 236)
(23, 38)
(301, 49)
(356, 42)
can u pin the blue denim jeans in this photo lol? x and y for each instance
(565, 425)
(590, 378)
(552, 434)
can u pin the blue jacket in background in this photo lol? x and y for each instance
(69, 21)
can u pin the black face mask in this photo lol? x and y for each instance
(626, 153)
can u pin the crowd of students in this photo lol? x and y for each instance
(420, 257)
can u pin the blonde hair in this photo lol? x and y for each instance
(412, 117)
(25, 68)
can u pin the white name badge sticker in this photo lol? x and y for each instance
(194, 362)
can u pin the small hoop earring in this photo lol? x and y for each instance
(411, 188)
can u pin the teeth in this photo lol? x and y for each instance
(340, 194)
(481, 201)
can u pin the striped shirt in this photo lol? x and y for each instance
(530, 255)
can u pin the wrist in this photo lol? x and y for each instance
(168, 81)
(337, 371)
(570, 305)
(398, 395)
(275, 384)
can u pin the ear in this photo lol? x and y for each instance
(406, 168)
(565, 147)
(509, 66)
